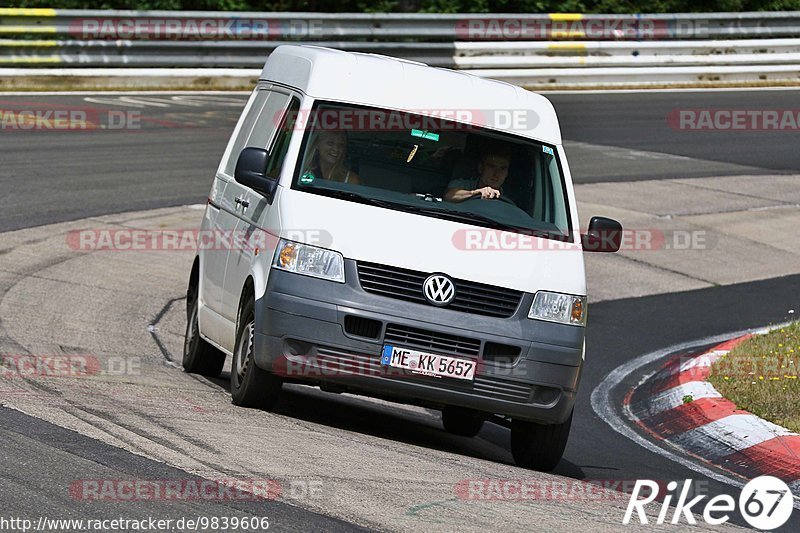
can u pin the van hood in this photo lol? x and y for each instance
(379, 235)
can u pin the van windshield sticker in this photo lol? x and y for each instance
(548, 150)
(307, 177)
(425, 135)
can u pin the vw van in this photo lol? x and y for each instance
(383, 228)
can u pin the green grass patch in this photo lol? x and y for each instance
(761, 376)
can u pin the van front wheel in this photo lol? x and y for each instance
(199, 357)
(539, 446)
(251, 386)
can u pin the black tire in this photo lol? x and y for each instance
(199, 357)
(539, 446)
(462, 421)
(251, 386)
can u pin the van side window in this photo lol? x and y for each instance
(281, 145)
(259, 126)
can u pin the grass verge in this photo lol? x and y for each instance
(761, 376)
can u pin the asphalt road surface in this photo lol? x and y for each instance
(40, 459)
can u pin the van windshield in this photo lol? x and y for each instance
(433, 167)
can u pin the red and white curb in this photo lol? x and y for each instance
(678, 406)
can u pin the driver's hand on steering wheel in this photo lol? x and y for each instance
(486, 192)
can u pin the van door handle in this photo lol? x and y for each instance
(241, 201)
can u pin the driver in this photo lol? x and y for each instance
(492, 172)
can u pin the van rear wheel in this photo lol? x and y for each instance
(251, 386)
(199, 357)
(462, 421)
(539, 446)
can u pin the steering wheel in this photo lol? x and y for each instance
(500, 198)
(506, 200)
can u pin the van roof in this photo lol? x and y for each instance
(390, 83)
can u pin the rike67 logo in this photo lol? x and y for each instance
(766, 503)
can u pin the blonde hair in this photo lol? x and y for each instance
(339, 171)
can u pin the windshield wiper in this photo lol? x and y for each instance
(446, 214)
(353, 196)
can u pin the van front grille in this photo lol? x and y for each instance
(362, 327)
(471, 297)
(430, 340)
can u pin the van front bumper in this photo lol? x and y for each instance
(301, 335)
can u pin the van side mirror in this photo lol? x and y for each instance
(604, 235)
(251, 168)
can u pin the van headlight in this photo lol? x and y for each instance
(557, 307)
(309, 260)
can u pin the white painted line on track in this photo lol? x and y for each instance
(625, 153)
(113, 101)
(220, 100)
(601, 404)
(173, 101)
(141, 101)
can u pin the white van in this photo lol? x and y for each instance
(381, 227)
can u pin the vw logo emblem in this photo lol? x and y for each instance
(439, 289)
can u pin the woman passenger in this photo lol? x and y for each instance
(329, 158)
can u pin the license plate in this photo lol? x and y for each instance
(428, 364)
